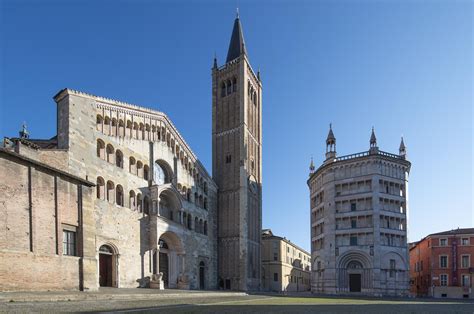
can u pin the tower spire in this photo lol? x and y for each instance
(311, 166)
(402, 150)
(373, 139)
(330, 144)
(237, 43)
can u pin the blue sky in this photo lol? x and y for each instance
(404, 67)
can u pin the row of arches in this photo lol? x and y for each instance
(252, 94)
(196, 198)
(115, 194)
(108, 153)
(228, 87)
(144, 131)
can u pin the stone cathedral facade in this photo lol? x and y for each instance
(359, 206)
(118, 198)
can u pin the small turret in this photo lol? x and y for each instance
(24, 134)
(215, 61)
(373, 143)
(402, 150)
(311, 166)
(330, 145)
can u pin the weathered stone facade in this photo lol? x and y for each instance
(117, 198)
(359, 207)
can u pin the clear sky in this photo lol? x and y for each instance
(404, 67)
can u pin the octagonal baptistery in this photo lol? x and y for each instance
(155, 204)
(359, 209)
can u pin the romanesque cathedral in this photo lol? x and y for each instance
(118, 198)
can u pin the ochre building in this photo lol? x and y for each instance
(441, 264)
(118, 198)
(286, 266)
(359, 207)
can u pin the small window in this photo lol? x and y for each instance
(444, 295)
(465, 241)
(392, 268)
(465, 263)
(353, 223)
(275, 256)
(353, 207)
(443, 261)
(443, 242)
(228, 158)
(69, 243)
(354, 240)
(465, 280)
(275, 276)
(443, 280)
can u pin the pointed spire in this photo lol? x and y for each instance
(237, 43)
(373, 139)
(311, 166)
(215, 61)
(331, 137)
(258, 74)
(402, 150)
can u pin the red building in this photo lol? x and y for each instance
(441, 264)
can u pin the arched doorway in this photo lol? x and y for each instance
(354, 272)
(169, 257)
(202, 276)
(107, 266)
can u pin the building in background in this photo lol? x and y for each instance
(359, 206)
(286, 266)
(441, 264)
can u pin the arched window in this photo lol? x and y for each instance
(153, 133)
(229, 87)
(110, 153)
(135, 130)
(142, 131)
(146, 172)
(201, 226)
(132, 165)
(113, 128)
(196, 224)
(205, 203)
(147, 132)
(205, 227)
(234, 85)
(129, 129)
(121, 128)
(106, 129)
(196, 199)
(100, 149)
(190, 219)
(132, 200)
(139, 202)
(254, 98)
(99, 122)
(201, 201)
(119, 195)
(223, 89)
(146, 205)
(100, 188)
(119, 158)
(140, 169)
(188, 195)
(110, 191)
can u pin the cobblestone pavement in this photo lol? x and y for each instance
(240, 303)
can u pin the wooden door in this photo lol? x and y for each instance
(355, 282)
(105, 270)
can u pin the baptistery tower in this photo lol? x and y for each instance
(359, 207)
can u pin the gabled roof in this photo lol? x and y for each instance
(237, 43)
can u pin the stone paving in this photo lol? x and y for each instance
(179, 301)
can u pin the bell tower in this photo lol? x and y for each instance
(237, 165)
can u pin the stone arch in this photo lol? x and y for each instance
(162, 172)
(354, 272)
(170, 204)
(99, 120)
(110, 153)
(119, 197)
(108, 265)
(119, 158)
(113, 127)
(170, 260)
(100, 187)
(354, 255)
(110, 191)
(121, 128)
(100, 149)
(132, 200)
